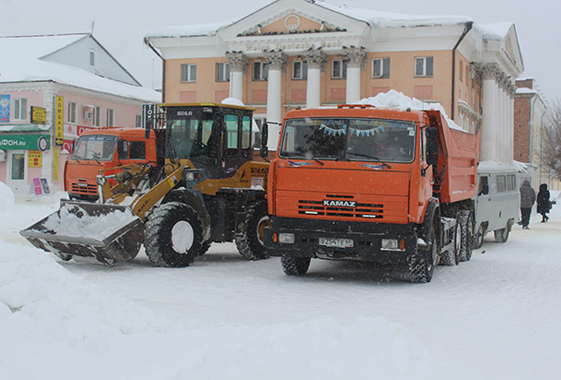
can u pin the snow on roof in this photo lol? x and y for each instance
(24, 64)
(525, 90)
(496, 31)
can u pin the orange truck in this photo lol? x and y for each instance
(102, 149)
(383, 185)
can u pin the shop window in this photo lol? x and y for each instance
(424, 66)
(381, 68)
(20, 109)
(299, 70)
(339, 69)
(260, 71)
(222, 72)
(188, 73)
(18, 166)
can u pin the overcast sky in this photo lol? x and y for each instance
(120, 25)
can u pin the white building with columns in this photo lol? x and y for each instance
(298, 53)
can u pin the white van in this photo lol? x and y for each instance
(497, 203)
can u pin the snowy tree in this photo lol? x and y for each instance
(551, 140)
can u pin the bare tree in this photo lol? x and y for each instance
(551, 140)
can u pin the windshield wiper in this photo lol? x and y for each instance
(318, 161)
(375, 158)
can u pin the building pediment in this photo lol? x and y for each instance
(292, 18)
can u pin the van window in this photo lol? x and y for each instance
(501, 183)
(137, 150)
(511, 182)
(483, 185)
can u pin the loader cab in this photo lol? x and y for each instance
(216, 138)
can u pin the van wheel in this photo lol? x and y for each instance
(421, 266)
(295, 266)
(479, 236)
(173, 235)
(250, 241)
(465, 221)
(501, 236)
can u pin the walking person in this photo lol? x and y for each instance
(527, 200)
(543, 202)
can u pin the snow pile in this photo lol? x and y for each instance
(7, 198)
(69, 223)
(39, 297)
(394, 99)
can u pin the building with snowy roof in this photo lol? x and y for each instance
(53, 87)
(294, 53)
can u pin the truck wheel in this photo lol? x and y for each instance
(173, 236)
(479, 236)
(465, 222)
(501, 236)
(295, 266)
(250, 241)
(452, 258)
(421, 266)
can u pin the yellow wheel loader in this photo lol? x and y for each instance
(204, 188)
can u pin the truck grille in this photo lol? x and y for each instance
(361, 210)
(83, 188)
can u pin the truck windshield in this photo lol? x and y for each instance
(349, 139)
(192, 137)
(95, 147)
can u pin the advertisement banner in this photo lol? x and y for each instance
(34, 158)
(25, 142)
(38, 115)
(4, 108)
(59, 121)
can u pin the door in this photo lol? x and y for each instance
(17, 172)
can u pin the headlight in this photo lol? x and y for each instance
(390, 245)
(286, 238)
(189, 176)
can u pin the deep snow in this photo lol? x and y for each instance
(495, 317)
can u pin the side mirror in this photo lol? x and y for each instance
(264, 151)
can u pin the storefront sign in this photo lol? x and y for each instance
(25, 142)
(293, 46)
(59, 121)
(38, 115)
(55, 164)
(34, 158)
(4, 108)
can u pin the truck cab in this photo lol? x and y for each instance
(102, 149)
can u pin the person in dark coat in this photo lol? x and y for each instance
(527, 200)
(543, 202)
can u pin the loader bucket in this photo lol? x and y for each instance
(110, 233)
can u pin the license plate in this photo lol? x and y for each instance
(334, 242)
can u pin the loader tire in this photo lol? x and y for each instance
(250, 240)
(295, 266)
(173, 236)
(421, 266)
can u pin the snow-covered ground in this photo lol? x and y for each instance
(495, 317)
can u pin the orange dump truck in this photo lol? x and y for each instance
(369, 184)
(101, 149)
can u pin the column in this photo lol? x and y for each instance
(238, 65)
(277, 63)
(356, 61)
(490, 120)
(316, 64)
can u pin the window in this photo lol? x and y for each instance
(501, 183)
(246, 132)
(339, 69)
(424, 66)
(231, 122)
(18, 166)
(110, 117)
(299, 70)
(137, 150)
(20, 109)
(260, 71)
(72, 112)
(138, 122)
(92, 58)
(97, 117)
(222, 72)
(511, 182)
(381, 68)
(188, 73)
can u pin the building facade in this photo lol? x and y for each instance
(295, 53)
(52, 88)
(530, 117)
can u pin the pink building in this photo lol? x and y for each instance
(52, 88)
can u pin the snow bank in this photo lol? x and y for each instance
(39, 297)
(7, 198)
